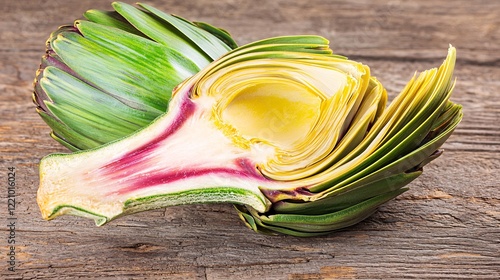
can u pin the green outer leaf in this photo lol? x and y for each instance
(93, 129)
(65, 135)
(61, 30)
(331, 221)
(81, 96)
(159, 31)
(222, 34)
(111, 19)
(356, 193)
(319, 41)
(204, 40)
(63, 142)
(314, 225)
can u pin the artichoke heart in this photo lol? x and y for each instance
(298, 138)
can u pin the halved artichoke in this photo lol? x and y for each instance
(298, 138)
(112, 74)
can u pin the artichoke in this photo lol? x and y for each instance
(112, 74)
(298, 138)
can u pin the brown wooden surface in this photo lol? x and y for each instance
(447, 226)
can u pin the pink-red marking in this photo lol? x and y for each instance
(140, 154)
(244, 170)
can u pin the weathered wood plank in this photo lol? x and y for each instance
(446, 226)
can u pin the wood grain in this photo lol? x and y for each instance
(446, 227)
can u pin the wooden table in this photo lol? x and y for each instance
(447, 226)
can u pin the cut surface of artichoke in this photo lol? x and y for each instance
(113, 73)
(298, 138)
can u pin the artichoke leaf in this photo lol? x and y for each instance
(206, 41)
(111, 19)
(156, 29)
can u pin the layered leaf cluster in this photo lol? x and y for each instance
(113, 73)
